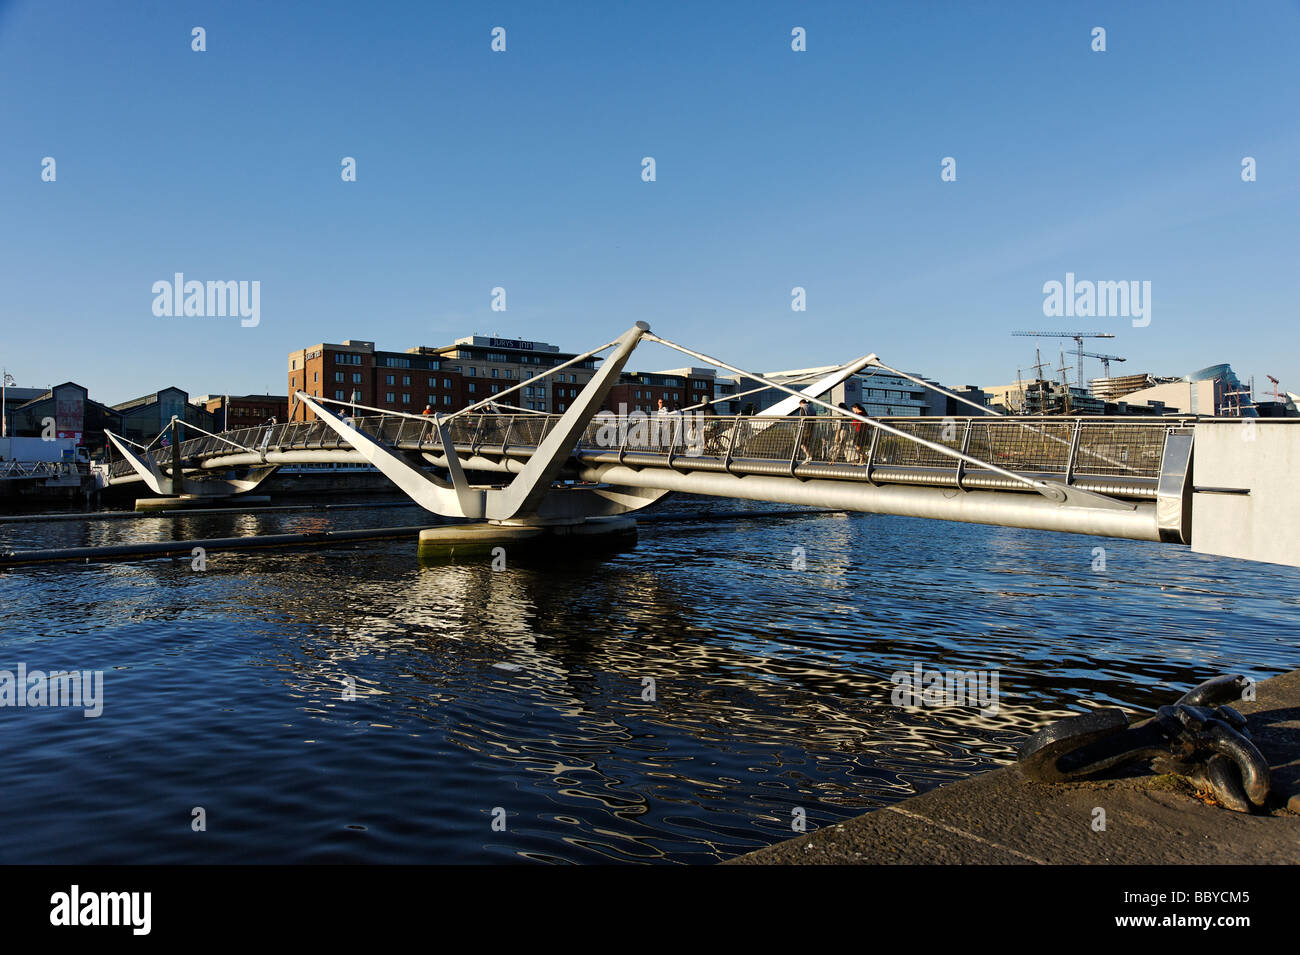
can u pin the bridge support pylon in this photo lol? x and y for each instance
(531, 508)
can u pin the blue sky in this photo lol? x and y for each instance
(522, 170)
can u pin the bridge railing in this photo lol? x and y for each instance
(1072, 447)
(1100, 447)
(38, 469)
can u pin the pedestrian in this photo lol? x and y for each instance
(662, 425)
(861, 433)
(805, 428)
(709, 425)
(842, 432)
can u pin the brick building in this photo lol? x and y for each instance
(472, 368)
(678, 388)
(490, 365)
(243, 411)
(357, 372)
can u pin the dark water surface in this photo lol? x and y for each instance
(520, 693)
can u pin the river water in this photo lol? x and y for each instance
(686, 700)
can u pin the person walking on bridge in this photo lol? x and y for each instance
(857, 450)
(709, 425)
(843, 429)
(804, 427)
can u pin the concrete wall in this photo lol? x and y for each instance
(1259, 455)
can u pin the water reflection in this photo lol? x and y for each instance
(351, 704)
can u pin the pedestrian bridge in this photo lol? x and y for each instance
(1123, 477)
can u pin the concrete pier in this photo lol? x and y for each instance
(478, 539)
(195, 503)
(1004, 818)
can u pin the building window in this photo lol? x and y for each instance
(431, 382)
(338, 395)
(338, 377)
(390, 397)
(559, 407)
(446, 399)
(471, 387)
(446, 382)
(495, 389)
(356, 378)
(473, 372)
(406, 380)
(315, 376)
(406, 399)
(390, 379)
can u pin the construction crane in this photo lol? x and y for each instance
(1105, 360)
(1077, 336)
(1276, 396)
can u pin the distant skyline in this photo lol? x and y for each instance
(523, 170)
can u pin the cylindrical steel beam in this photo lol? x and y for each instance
(974, 507)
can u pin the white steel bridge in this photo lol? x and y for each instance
(1126, 477)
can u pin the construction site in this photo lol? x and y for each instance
(1048, 390)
